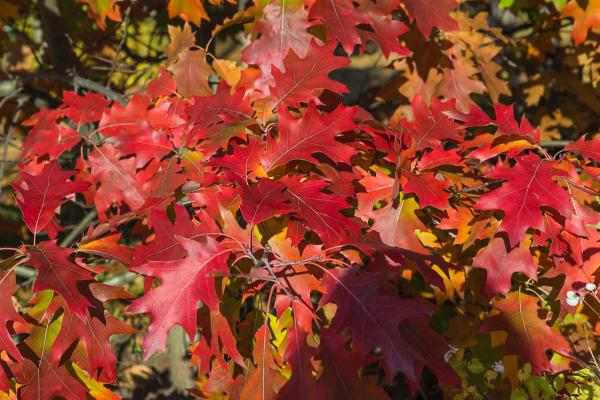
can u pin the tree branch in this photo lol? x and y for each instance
(73, 80)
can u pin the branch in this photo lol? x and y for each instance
(121, 43)
(73, 80)
(555, 143)
(25, 272)
(9, 132)
(81, 226)
(96, 87)
(299, 262)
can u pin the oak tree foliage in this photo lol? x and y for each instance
(328, 199)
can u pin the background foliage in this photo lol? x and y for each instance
(406, 153)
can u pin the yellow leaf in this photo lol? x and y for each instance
(96, 389)
(551, 125)
(228, 70)
(534, 94)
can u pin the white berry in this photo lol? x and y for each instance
(572, 295)
(498, 367)
(590, 287)
(573, 301)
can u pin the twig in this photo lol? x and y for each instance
(479, 187)
(121, 43)
(8, 133)
(25, 272)
(81, 226)
(555, 143)
(73, 80)
(96, 87)
(28, 40)
(582, 188)
(590, 349)
(299, 262)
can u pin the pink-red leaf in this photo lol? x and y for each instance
(38, 196)
(305, 78)
(185, 282)
(529, 187)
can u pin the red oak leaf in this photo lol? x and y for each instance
(264, 380)
(4, 382)
(47, 136)
(431, 124)
(589, 148)
(374, 318)
(59, 273)
(312, 133)
(213, 197)
(125, 119)
(500, 265)
(191, 72)
(244, 160)
(117, 178)
(528, 336)
(46, 381)
(163, 85)
(529, 187)
(162, 178)
(216, 330)
(84, 109)
(432, 348)
(396, 225)
(220, 107)
(302, 384)
(40, 378)
(100, 10)
(430, 14)
(468, 227)
(145, 143)
(38, 196)
(262, 200)
(8, 312)
(165, 246)
(579, 265)
(319, 211)
(377, 188)
(457, 84)
(185, 282)
(282, 28)
(165, 115)
(428, 189)
(439, 157)
(552, 231)
(340, 378)
(134, 129)
(341, 19)
(487, 145)
(304, 78)
(300, 278)
(218, 118)
(94, 332)
(385, 30)
(108, 247)
(505, 122)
